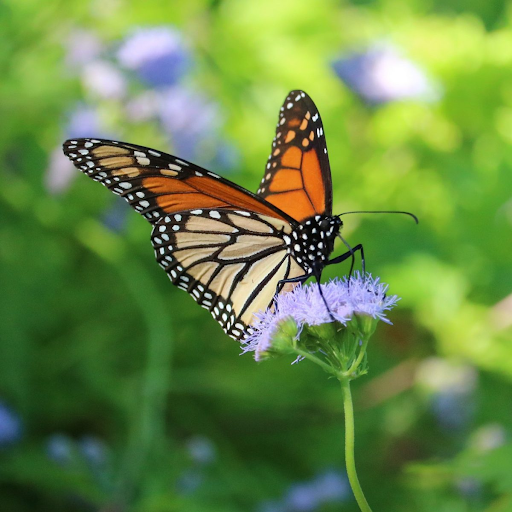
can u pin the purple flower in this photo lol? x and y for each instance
(201, 450)
(302, 498)
(332, 486)
(60, 448)
(10, 426)
(361, 295)
(94, 451)
(469, 488)
(103, 80)
(453, 410)
(189, 481)
(59, 173)
(82, 47)
(451, 388)
(158, 55)
(329, 487)
(225, 159)
(380, 74)
(191, 120)
(115, 215)
(143, 107)
(83, 121)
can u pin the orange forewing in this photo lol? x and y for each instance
(298, 177)
(157, 184)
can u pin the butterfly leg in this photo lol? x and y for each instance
(318, 277)
(350, 254)
(297, 279)
(317, 274)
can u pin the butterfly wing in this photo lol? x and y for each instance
(298, 176)
(229, 261)
(155, 183)
(225, 246)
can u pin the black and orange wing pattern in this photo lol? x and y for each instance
(225, 246)
(156, 183)
(298, 177)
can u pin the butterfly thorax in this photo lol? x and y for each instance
(312, 241)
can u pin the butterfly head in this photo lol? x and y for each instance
(314, 240)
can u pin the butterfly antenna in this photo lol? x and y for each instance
(383, 211)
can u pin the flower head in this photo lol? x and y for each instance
(190, 119)
(380, 74)
(104, 80)
(348, 298)
(158, 55)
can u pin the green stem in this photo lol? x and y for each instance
(307, 355)
(357, 362)
(349, 446)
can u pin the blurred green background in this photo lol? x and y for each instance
(118, 393)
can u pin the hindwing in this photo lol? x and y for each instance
(229, 261)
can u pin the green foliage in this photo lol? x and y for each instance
(94, 341)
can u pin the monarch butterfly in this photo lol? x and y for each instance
(230, 249)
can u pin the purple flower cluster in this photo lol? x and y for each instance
(328, 487)
(189, 118)
(380, 74)
(141, 80)
(158, 55)
(82, 121)
(345, 297)
(71, 454)
(11, 427)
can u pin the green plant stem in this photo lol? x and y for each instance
(349, 446)
(357, 362)
(307, 355)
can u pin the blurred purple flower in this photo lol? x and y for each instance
(329, 487)
(380, 74)
(94, 451)
(60, 448)
(225, 159)
(158, 55)
(189, 481)
(83, 46)
(59, 173)
(302, 498)
(114, 216)
(453, 410)
(469, 488)
(365, 295)
(201, 450)
(83, 121)
(11, 427)
(189, 118)
(103, 80)
(143, 107)
(451, 388)
(332, 486)
(489, 437)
